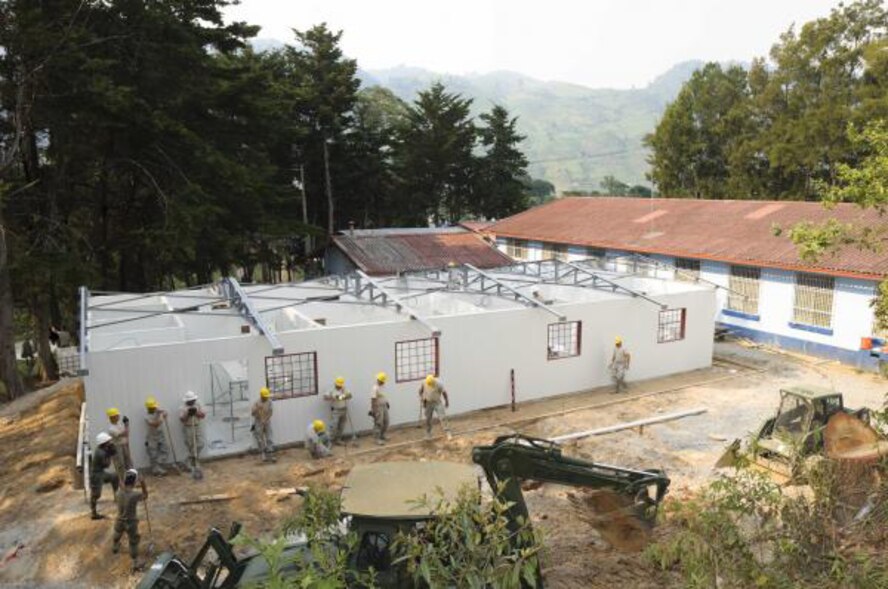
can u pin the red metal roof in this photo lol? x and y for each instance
(734, 231)
(389, 251)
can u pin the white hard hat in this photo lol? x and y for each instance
(190, 396)
(103, 438)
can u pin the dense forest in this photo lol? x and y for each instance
(145, 145)
(779, 128)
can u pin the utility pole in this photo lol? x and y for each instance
(330, 224)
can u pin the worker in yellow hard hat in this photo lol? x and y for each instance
(317, 442)
(431, 394)
(118, 428)
(338, 398)
(619, 365)
(155, 436)
(379, 408)
(262, 412)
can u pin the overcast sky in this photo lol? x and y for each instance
(598, 43)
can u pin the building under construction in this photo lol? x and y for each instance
(523, 331)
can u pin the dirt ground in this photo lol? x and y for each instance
(47, 538)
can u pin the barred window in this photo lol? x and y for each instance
(743, 295)
(564, 339)
(516, 248)
(671, 327)
(813, 300)
(596, 256)
(689, 270)
(555, 251)
(292, 375)
(416, 359)
(68, 360)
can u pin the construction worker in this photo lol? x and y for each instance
(127, 515)
(119, 430)
(338, 397)
(155, 437)
(379, 408)
(430, 394)
(262, 412)
(101, 459)
(317, 442)
(619, 365)
(191, 415)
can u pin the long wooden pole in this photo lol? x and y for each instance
(629, 425)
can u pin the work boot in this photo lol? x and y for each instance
(96, 515)
(115, 548)
(138, 566)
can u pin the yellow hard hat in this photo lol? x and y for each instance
(340, 382)
(430, 379)
(618, 340)
(381, 377)
(264, 393)
(318, 426)
(113, 411)
(150, 403)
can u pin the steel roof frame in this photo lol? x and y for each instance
(232, 290)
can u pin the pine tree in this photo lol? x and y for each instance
(502, 167)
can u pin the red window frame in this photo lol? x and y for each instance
(284, 371)
(666, 322)
(570, 332)
(415, 366)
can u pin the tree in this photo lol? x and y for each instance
(613, 187)
(539, 191)
(326, 94)
(501, 168)
(435, 160)
(691, 144)
(866, 185)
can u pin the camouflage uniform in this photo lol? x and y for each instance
(339, 411)
(127, 520)
(155, 440)
(319, 445)
(120, 434)
(433, 404)
(619, 365)
(262, 412)
(192, 431)
(98, 476)
(379, 409)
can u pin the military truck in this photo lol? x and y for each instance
(379, 501)
(795, 434)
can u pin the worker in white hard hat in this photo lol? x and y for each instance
(619, 365)
(431, 394)
(155, 436)
(100, 459)
(317, 441)
(191, 414)
(338, 397)
(262, 412)
(379, 408)
(128, 499)
(118, 428)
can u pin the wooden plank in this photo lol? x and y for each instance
(209, 499)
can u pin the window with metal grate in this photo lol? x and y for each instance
(744, 283)
(292, 375)
(416, 359)
(688, 270)
(813, 301)
(564, 339)
(671, 326)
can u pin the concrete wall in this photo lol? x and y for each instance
(477, 353)
(852, 314)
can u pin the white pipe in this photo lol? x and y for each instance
(629, 425)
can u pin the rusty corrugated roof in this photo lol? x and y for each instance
(734, 231)
(380, 252)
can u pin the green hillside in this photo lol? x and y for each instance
(575, 135)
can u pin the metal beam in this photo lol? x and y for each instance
(236, 295)
(572, 274)
(84, 332)
(500, 286)
(361, 286)
(675, 268)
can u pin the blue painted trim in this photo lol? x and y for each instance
(811, 328)
(858, 358)
(740, 314)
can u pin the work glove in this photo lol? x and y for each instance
(192, 411)
(370, 413)
(253, 427)
(125, 420)
(387, 406)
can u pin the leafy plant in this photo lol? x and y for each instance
(470, 543)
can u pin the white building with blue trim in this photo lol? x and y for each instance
(767, 292)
